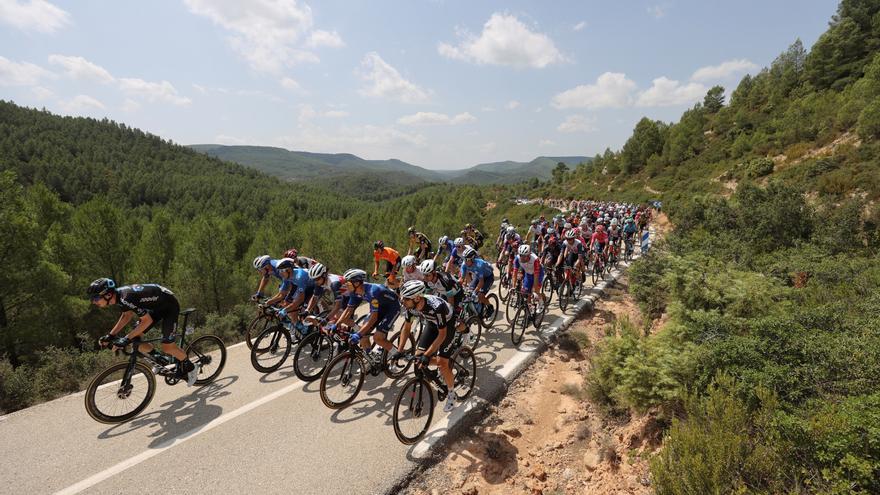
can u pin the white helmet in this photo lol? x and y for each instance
(614, 222)
(525, 250)
(317, 271)
(469, 253)
(408, 261)
(458, 241)
(261, 261)
(511, 230)
(355, 274)
(412, 289)
(443, 240)
(428, 267)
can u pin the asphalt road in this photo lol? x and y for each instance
(246, 432)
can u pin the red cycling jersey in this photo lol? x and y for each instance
(599, 237)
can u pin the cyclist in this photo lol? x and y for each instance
(435, 345)
(475, 235)
(529, 265)
(392, 261)
(384, 309)
(478, 272)
(442, 283)
(296, 288)
(421, 242)
(453, 264)
(326, 281)
(599, 242)
(629, 230)
(444, 244)
(533, 236)
(508, 251)
(502, 234)
(614, 236)
(301, 261)
(552, 250)
(153, 305)
(267, 268)
(410, 270)
(572, 252)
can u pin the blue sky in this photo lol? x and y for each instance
(441, 84)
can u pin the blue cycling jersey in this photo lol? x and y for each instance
(629, 228)
(381, 298)
(449, 246)
(480, 268)
(275, 272)
(299, 280)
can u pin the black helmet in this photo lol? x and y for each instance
(286, 263)
(100, 287)
(411, 230)
(378, 245)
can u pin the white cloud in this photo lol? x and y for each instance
(505, 40)
(325, 38)
(432, 118)
(34, 15)
(612, 89)
(723, 70)
(291, 84)
(544, 143)
(579, 26)
(666, 92)
(577, 123)
(307, 113)
(512, 104)
(21, 73)
(80, 68)
(152, 91)
(42, 93)
(130, 105)
(384, 81)
(81, 104)
(267, 33)
(658, 11)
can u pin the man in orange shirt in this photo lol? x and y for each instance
(392, 261)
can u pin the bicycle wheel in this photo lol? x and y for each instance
(271, 349)
(256, 327)
(311, 356)
(395, 369)
(413, 410)
(464, 372)
(208, 353)
(487, 318)
(539, 316)
(342, 380)
(596, 272)
(109, 401)
(510, 308)
(578, 289)
(547, 291)
(564, 294)
(474, 331)
(520, 322)
(504, 286)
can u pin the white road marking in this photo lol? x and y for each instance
(173, 442)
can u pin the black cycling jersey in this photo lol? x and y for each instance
(304, 262)
(446, 286)
(436, 310)
(152, 299)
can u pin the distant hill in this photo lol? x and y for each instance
(341, 168)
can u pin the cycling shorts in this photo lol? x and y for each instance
(529, 280)
(571, 259)
(429, 335)
(168, 318)
(387, 319)
(392, 268)
(488, 280)
(599, 247)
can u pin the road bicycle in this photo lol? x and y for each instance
(265, 318)
(414, 406)
(486, 314)
(123, 390)
(571, 288)
(628, 249)
(527, 312)
(597, 271)
(272, 347)
(344, 375)
(503, 282)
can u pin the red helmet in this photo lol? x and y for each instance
(291, 253)
(600, 228)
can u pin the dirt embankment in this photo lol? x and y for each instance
(546, 436)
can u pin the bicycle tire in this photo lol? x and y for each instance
(271, 348)
(102, 416)
(399, 371)
(510, 309)
(349, 362)
(202, 348)
(475, 330)
(539, 316)
(314, 349)
(547, 291)
(565, 291)
(595, 272)
(488, 321)
(420, 405)
(464, 372)
(504, 286)
(518, 327)
(254, 329)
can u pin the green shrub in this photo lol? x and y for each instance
(758, 167)
(607, 366)
(869, 121)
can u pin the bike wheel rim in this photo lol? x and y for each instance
(106, 399)
(413, 411)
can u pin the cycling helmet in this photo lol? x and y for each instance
(535, 222)
(505, 220)
(261, 261)
(525, 250)
(355, 275)
(576, 231)
(100, 287)
(551, 231)
(317, 271)
(511, 230)
(412, 289)
(458, 241)
(378, 245)
(614, 222)
(286, 263)
(570, 234)
(469, 253)
(291, 253)
(567, 225)
(408, 261)
(600, 228)
(468, 226)
(442, 240)
(428, 267)
(411, 230)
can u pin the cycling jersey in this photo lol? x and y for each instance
(335, 284)
(382, 300)
(275, 272)
(530, 267)
(445, 286)
(614, 233)
(387, 254)
(298, 283)
(574, 247)
(535, 230)
(448, 247)
(436, 314)
(480, 268)
(152, 299)
(599, 238)
(412, 275)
